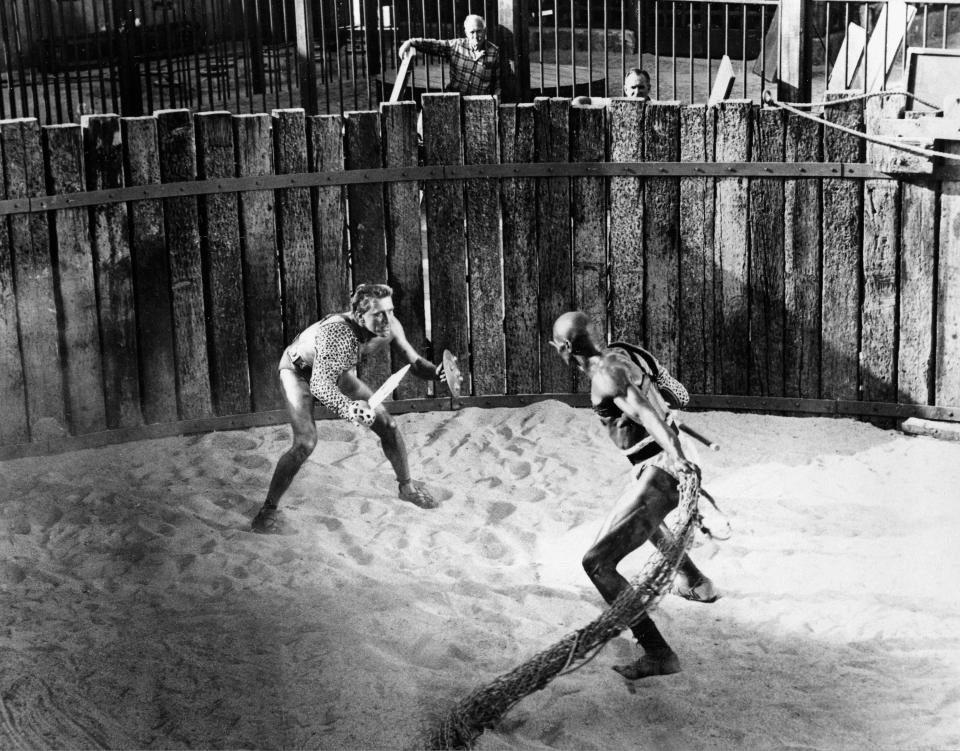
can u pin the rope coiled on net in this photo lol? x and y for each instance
(485, 706)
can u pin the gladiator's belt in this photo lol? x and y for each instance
(661, 460)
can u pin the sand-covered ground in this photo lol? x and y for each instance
(138, 611)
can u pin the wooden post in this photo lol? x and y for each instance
(482, 199)
(794, 71)
(261, 278)
(151, 274)
(513, 38)
(552, 142)
(220, 237)
(589, 213)
(625, 143)
(178, 163)
(363, 150)
(661, 199)
(294, 223)
(947, 363)
(114, 274)
(842, 242)
(802, 264)
(697, 303)
(520, 274)
(41, 353)
(330, 222)
(446, 220)
(881, 249)
(78, 300)
(767, 282)
(306, 65)
(732, 251)
(405, 275)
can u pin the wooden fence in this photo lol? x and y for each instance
(153, 268)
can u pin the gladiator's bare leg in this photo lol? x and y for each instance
(634, 518)
(391, 440)
(299, 403)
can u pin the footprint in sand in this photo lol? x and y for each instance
(519, 470)
(235, 441)
(360, 555)
(11, 573)
(499, 511)
(19, 525)
(329, 522)
(253, 461)
(491, 547)
(333, 432)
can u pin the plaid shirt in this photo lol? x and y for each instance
(470, 72)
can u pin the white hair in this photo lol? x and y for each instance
(474, 17)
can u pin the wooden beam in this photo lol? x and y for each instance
(513, 38)
(795, 72)
(306, 65)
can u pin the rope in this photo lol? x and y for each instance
(883, 141)
(858, 97)
(485, 706)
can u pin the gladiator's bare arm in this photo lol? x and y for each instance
(422, 367)
(614, 380)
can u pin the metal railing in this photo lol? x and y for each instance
(60, 61)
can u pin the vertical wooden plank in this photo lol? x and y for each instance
(151, 274)
(696, 358)
(330, 222)
(34, 282)
(947, 366)
(520, 272)
(298, 263)
(367, 219)
(553, 237)
(74, 279)
(77, 299)
(178, 163)
(404, 249)
(732, 227)
(626, 223)
(766, 259)
(661, 205)
(14, 425)
(261, 270)
(918, 287)
(114, 274)
(802, 264)
(220, 235)
(588, 210)
(842, 243)
(881, 240)
(446, 253)
(483, 248)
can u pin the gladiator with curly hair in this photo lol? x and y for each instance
(320, 365)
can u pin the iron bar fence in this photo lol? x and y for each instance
(62, 59)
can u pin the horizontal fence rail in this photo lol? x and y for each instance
(797, 171)
(152, 269)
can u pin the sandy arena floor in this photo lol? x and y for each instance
(138, 611)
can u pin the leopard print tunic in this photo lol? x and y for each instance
(335, 349)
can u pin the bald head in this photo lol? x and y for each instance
(475, 31)
(571, 335)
